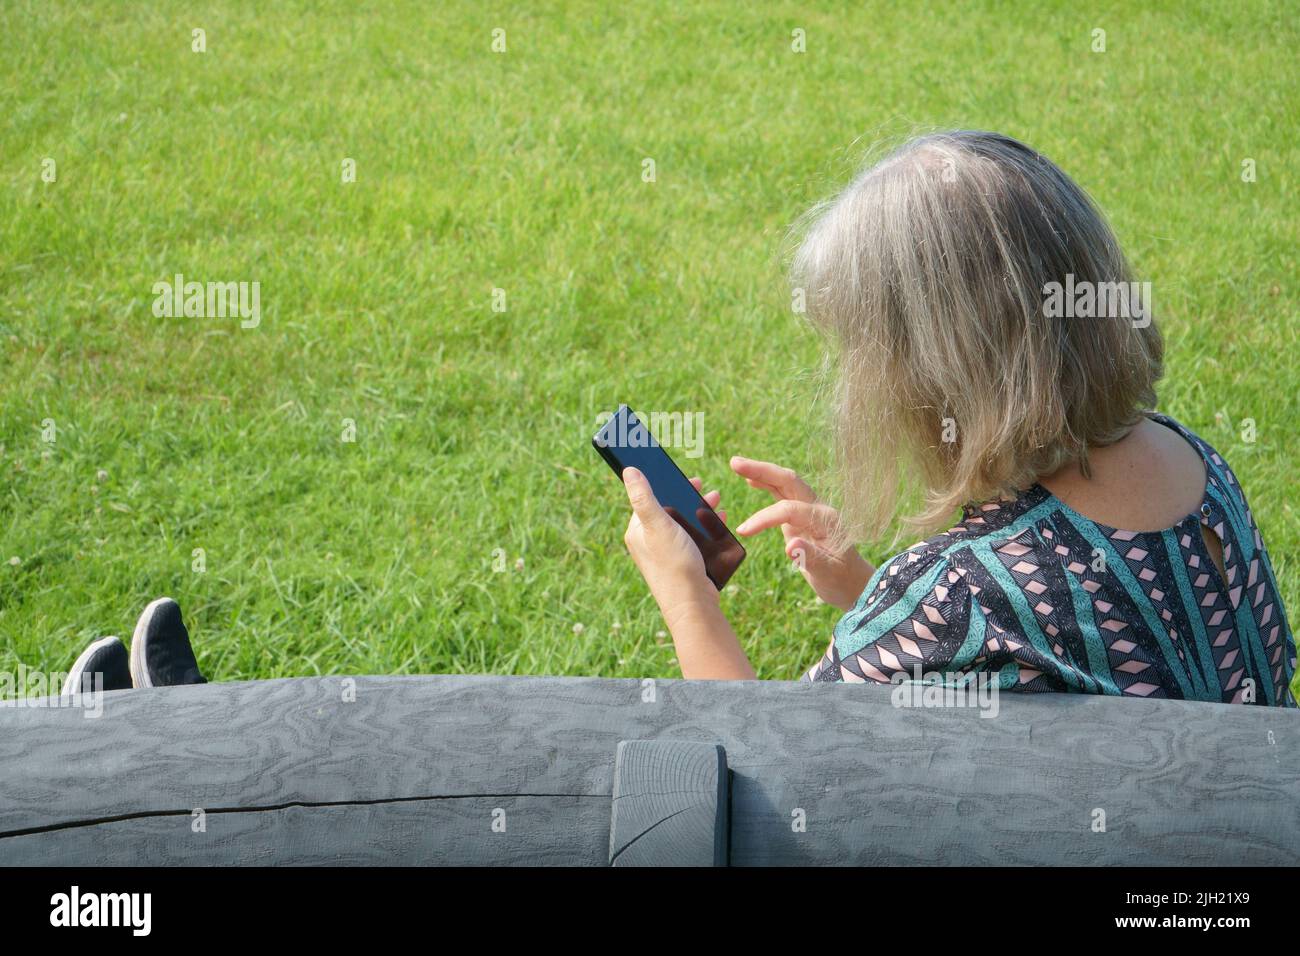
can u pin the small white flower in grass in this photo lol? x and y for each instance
(578, 629)
(15, 560)
(101, 475)
(519, 564)
(616, 626)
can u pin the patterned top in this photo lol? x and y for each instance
(1048, 600)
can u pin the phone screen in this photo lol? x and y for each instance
(625, 441)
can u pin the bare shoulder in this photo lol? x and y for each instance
(1148, 481)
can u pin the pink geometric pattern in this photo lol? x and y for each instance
(1027, 589)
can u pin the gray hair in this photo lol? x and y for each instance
(928, 275)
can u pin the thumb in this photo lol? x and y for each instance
(642, 497)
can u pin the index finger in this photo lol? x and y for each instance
(780, 481)
(800, 514)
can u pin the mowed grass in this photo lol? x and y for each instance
(522, 171)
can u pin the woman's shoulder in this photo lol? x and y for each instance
(1217, 468)
(1220, 480)
(924, 594)
(919, 595)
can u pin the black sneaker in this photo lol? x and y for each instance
(107, 658)
(161, 655)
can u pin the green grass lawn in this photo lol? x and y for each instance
(522, 171)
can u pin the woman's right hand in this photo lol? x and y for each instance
(809, 527)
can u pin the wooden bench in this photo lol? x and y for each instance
(534, 770)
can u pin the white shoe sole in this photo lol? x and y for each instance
(72, 684)
(139, 669)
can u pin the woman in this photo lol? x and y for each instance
(1103, 548)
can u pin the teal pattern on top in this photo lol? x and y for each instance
(1047, 600)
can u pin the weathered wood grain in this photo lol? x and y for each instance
(873, 784)
(468, 831)
(669, 804)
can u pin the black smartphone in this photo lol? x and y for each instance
(625, 441)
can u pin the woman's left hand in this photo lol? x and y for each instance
(664, 553)
(672, 566)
